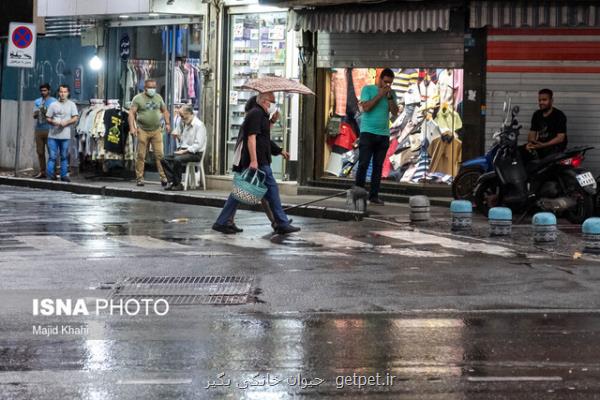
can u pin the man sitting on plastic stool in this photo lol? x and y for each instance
(191, 135)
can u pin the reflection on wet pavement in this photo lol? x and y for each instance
(460, 355)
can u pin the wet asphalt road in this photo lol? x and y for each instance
(400, 313)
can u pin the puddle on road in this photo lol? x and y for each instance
(293, 241)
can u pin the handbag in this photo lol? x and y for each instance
(249, 186)
(333, 126)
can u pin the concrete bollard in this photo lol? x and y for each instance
(462, 215)
(544, 227)
(591, 235)
(419, 208)
(500, 219)
(356, 199)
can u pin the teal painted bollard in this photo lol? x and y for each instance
(500, 219)
(591, 235)
(544, 227)
(462, 215)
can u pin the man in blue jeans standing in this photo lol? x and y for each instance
(62, 117)
(377, 102)
(256, 154)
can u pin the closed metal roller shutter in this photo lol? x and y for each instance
(567, 61)
(395, 50)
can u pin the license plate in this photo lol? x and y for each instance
(586, 179)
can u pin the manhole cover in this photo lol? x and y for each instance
(185, 290)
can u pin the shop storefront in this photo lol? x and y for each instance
(425, 47)
(256, 43)
(555, 46)
(132, 43)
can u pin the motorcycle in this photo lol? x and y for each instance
(465, 181)
(555, 183)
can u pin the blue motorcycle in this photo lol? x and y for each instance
(465, 181)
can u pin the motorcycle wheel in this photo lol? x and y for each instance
(583, 210)
(465, 182)
(487, 196)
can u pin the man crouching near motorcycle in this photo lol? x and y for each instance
(548, 133)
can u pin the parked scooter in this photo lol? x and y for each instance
(465, 181)
(554, 183)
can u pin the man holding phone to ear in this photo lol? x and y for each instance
(377, 102)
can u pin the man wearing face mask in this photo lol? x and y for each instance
(191, 134)
(256, 154)
(145, 114)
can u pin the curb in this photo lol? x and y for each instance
(388, 197)
(338, 214)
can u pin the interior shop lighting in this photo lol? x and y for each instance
(124, 16)
(96, 63)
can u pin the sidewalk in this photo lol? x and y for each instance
(334, 208)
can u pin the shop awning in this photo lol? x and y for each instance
(534, 14)
(371, 19)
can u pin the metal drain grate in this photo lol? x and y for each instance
(186, 290)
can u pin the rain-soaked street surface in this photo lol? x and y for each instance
(341, 309)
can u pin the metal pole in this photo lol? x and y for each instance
(173, 54)
(20, 103)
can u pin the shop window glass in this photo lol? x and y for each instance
(425, 139)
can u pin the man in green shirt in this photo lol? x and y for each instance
(377, 102)
(145, 114)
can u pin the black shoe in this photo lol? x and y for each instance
(236, 228)
(285, 230)
(274, 225)
(52, 178)
(177, 188)
(40, 176)
(140, 183)
(65, 179)
(226, 229)
(169, 186)
(164, 183)
(376, 201)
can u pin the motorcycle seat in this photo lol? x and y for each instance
(534, 165)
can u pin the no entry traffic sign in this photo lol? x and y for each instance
(21, 46)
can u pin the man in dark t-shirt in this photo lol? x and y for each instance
(548, 133)
(256, 154)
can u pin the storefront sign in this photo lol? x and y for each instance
(77, 76)
(125, 47)
(21, 45)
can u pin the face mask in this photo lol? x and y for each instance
(151, 92)
(272, 108)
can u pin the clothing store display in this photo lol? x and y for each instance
(93, 129)
(447, 86)
(116, 130)
(424, 145)
(446, 154)
(448, 120)
(403, 78)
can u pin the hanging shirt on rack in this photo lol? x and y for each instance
(117, 129)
